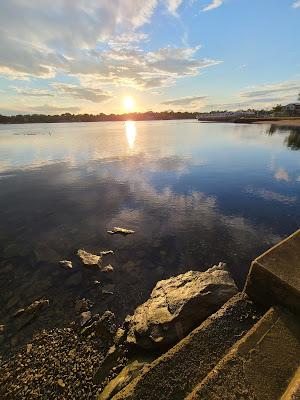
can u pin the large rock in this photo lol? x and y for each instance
(177, 305)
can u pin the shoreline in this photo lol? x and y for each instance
(273, 121)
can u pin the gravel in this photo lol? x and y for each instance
(57, 364)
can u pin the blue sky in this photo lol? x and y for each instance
(87, 55)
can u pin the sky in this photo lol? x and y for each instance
(86, 56)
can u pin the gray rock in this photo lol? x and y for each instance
(177, 305)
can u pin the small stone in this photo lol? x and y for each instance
(107, 268)
(97, 283)
(2, 329)
(85, 317)
(106, 252)
(66, 264)
(121, 231)
(61, 383)
(29, 348)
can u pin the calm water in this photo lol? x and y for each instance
(195, 194)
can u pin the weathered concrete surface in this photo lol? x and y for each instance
(177, 305)
(261, 364)
(173, 375)
(293, 390)
(274, 277)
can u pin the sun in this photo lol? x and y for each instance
(128, 103)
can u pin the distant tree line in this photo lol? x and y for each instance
(67, 117)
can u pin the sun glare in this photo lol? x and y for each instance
(128, 103)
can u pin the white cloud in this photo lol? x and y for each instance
(191, 101)
(93, 95)
(296, 4)
(94, 41)
(214, 4)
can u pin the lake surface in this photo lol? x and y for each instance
(195, 193)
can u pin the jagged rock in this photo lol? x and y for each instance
(66, 264)
(104, 327)
(85, 318)
(121, 231)
(32, 308)
(88, 259)
(177, 305)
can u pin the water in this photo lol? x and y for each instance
(195, 194)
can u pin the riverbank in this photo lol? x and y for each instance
(274, 121)
(284, 122)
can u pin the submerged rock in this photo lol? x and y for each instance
(66, 264)
(88, 259)
(106, 252)
(121, 231)
(176, 305)
(32, 308)
(107, 268)
(85, 317)
(104, 328)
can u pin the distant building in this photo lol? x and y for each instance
(294, 107)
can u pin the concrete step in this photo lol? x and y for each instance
(173, 375)
(293, 390)
(260, 366)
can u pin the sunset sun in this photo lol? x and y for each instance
(128, 103)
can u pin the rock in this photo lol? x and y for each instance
(32, 308)
(61, 383)
(121, 231)
(85, 317)
(106, 252)
(178, 304)
(81, 305)
(127, 374)
(105, 327)
(107, 268)
(2, 329)
(97, 283)
(66, 264)
(28, 348)
(88, 259)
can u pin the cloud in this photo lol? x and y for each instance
(93, 41)
(214, 4)
(271, 196)
(33, 92)
(296, 4)
(185, 101)
(282, 88)
(281, 175)
(93, 95)
(173, 5)
(50, 109)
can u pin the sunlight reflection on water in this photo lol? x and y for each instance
(130, 131)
